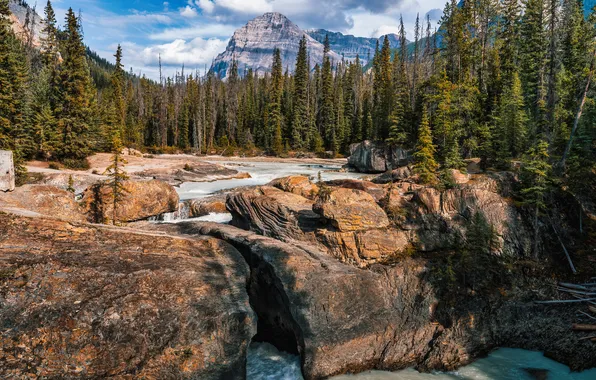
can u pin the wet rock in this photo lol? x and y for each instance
(201, 207)
(369, 157)
(81, 301)
(142, 200)
(191, 172)
(299, 185)
(351, 210)
(44, 200)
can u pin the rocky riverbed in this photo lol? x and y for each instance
(346, 275)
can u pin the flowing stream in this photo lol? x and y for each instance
(265, 362)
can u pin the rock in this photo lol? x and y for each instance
(191, 172)
(299, 185)
(459, 177)
(252, 44)
(201, 207)
(364, 248)
(7, 176)
(80, 181)
(351, 210)
(369, 157)
(44, 200)
(343, 319)
(378, 192)
(131, 152)
(271, 212)
(398, 174)
(83, 301)
(142, 200)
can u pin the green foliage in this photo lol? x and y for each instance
(116, 178)
(425, 164)
(70, 184)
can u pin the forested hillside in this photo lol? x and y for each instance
(506, 83)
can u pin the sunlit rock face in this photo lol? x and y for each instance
(252, 46)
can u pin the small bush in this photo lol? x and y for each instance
(95, 171)
(76, 163)
(54, 166)
(187, 167)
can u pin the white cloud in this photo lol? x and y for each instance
(188, 12)
(243, 6)
(194, 31)
(195, 52)
(206, 5)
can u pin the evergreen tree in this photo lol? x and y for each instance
(326, 108)
(513, 119)
(535, 177)
(300, 121)
(74, 112)
(425, 164)
(116, 178)
(274, 115)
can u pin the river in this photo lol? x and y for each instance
(265, 362)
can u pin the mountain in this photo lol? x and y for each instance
(252, 46)
(23, 14)
(349, 46)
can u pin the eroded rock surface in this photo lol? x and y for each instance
(299, 185)
(343, 319)
(142, 200)
(80, 301)
(43, 200)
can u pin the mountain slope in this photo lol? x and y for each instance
(252, 46)
(349, 46)
(22, 14)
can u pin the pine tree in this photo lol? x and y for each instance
(274, 115)
(300, 121)
(74, 112)
(326, 109)
(535, 176)
(513, 118)
(116, 178)
(425, 164)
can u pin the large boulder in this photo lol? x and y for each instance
(369, 157)
(141, 200)
(82, 302)
(272, 212)
(343, 319)
(378, 192)
(299, 185)
(43, 200)
(351, 210)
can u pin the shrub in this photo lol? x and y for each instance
(54, 166)
(76, 163)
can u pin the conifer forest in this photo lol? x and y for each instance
(509, 83)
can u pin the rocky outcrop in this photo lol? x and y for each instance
(378, 192)
(191, 172)
(351, 210)
(342, 319)
(43, 200)
(299, 185)
(272, 212)
(80, 182)
(141, 200)
(394, 175)
(80, 302)
(369, 157)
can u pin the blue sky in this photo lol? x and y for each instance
(193, 32)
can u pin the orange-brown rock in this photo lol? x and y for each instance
(142, 200)
(80, 301)
(44, 200)
(363, 248)
(299, 185)
(351, 210)
(378, 192)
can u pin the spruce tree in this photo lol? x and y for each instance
(74, 111)
(116, 178)
(513, 118)
(326, 107)
(300, 121)
(535, 177)
(274, 115)
(425, 163)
